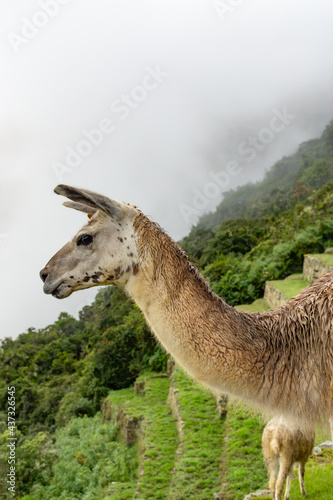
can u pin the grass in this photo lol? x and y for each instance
(291, 286)
(170, 469)
(158, 441)
(211, 451)
(318, 478)
(198, 468)
(245, 471)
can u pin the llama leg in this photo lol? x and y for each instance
(285, 468)
(289, 479)
(272, 464)
(301, 470)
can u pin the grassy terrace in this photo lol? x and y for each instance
(245, 469)
(210, 455)
(158, 442)
(173, 466)
(199, 464)
(291, 286)
(256, 306)
(326, 258)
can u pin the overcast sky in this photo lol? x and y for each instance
(162, 104)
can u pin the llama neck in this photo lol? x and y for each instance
(273, 360)
(212, 341)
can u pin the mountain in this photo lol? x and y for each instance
(288, 182)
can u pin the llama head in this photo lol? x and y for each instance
(103, 252)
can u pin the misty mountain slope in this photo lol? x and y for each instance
(261, 231)
(288, 181)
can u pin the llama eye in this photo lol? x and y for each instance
(85, 239)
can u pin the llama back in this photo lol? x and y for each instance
(299, 355)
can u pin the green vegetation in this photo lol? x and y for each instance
(66, 373)
(261, 231)
(198, 467)
(277, 253)
(88, 459)
(318, 478)
(289, 182)
(174, 466)
(245, 471)
(256, 306)
(158, 437)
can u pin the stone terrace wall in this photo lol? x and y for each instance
(313, 267)
(273, 296)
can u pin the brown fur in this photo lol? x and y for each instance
(283, 445)
(280, 360)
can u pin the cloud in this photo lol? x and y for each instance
(225, 77)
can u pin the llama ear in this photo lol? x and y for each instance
(80, 207)
(90, 200)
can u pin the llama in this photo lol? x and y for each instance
(282, 446)
(280, 361)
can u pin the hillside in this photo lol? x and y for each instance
(66, 373)
(289, 181)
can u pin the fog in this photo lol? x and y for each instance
(164, 105)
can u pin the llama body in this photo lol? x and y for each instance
(281, 360)
(283, 445)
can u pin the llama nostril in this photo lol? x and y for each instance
(43, 276)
